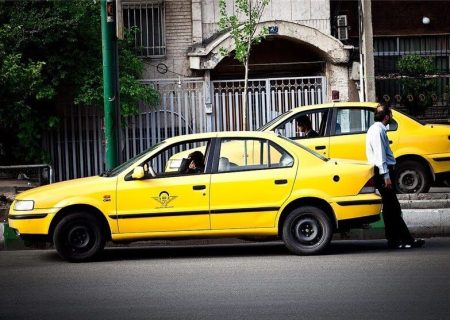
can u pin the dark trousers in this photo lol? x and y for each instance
(395, 227)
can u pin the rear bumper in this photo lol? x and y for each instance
(440, 163)
(357, 223)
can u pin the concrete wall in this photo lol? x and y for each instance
(315, 14)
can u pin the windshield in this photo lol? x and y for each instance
(318, 155)
(121, 167)
(268, 124)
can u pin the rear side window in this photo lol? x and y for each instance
(354, 120)
(251, 154)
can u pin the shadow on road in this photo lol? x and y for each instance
(226, 250)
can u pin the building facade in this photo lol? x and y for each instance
(316, 51)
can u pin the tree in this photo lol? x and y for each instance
(50, 55)
(244, 35)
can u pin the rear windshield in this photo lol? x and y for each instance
(411, 117)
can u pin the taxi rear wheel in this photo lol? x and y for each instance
(307, 230)
(79, 237)
(412, 177)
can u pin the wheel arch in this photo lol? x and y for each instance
(421, 160)
(307, 201)
(80, 208)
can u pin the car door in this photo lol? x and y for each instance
(349, 127)
(251, 179)
(168, 201)
(319, 122)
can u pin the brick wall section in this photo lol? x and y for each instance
(178, 38)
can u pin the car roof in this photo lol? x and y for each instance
(231, 134)
(336, 105)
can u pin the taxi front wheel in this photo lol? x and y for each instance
(307, 230)
(78, 237)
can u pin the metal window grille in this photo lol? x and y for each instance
(389, 50)
(149, 18)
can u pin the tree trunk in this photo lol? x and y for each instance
(244, 98)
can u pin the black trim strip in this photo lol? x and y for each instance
(157, 215)
(189, 213)
(244, 210)
(441, 159)
(359, 202)
(27, 216)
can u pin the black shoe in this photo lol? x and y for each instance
(417, 243)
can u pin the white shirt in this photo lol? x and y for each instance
(378, 151)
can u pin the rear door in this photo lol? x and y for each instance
(251, 180)
(348, 131)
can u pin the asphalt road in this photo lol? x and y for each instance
(353, 280)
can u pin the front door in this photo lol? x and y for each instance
(168, 201)
(319, 123)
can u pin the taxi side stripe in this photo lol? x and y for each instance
(359, 202)
(190, 213)
(157, 215)
(27, 216)
(244, 210)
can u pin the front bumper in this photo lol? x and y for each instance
(36, 222)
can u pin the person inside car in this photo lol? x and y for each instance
(304, 125)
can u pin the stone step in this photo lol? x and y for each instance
(425, 204)
(424, 196)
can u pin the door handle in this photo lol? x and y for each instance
(281, 181)
(200, 187)
(320, 147)
(390, 141)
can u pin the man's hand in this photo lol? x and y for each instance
(387, 183)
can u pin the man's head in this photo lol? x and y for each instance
(383, 114)
(304, 123)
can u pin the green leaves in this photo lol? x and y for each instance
(243, 33)
(50, 57)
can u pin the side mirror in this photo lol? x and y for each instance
(138, 173)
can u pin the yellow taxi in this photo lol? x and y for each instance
(422, 150)
(273, 187)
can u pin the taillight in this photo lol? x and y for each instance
(369, 187)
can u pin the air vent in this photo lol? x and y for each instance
(342, 27)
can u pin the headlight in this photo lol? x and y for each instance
(24, 205)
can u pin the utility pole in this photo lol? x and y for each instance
(366, 50)
(110, 90)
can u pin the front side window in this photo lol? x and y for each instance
(251, 154)
(148, 18)
(179, 159)
(309, 124)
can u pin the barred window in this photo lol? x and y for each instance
(149, 18)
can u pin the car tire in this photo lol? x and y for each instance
(412, 177)
(307, 230)
(79, 237)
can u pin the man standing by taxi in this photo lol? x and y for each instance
(380, 155)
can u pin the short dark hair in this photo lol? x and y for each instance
(304, 120)
(197, 157)
(381, 112)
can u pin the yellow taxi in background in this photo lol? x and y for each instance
(286, 190)
(422, 150)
